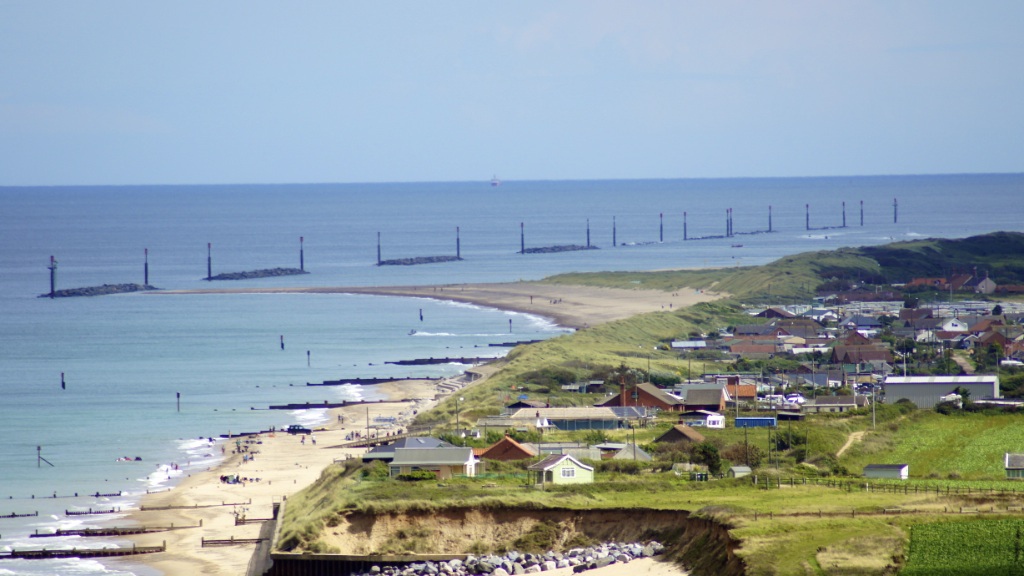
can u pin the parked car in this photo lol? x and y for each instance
(298, 429)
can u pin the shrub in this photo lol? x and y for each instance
(416, 476)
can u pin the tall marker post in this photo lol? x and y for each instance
(145, 267)
(53, 277)
(209, 261)
(302, 254)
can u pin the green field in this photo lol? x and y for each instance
(979, 547)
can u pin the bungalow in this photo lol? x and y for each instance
(1014, 465)
(680, 433)
(561, 469)
(890, 471)
(835, 404)
(443, 462)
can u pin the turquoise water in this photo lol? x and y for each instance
(125, 358)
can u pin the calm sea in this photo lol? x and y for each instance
(126, 358)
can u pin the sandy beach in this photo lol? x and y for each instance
(569, 306)
(283, 464)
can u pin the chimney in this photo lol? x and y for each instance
(622, 392)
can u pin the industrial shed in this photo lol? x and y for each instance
(927, 391)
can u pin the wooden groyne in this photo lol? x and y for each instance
(91, 512)
(45, 554)
(325, 404)
(513, 344)
(152, 508)
(111, 531)
(268, 273)
(204, 543)
(16, 515)
(368, 381)
(424, 361)
(98, 290)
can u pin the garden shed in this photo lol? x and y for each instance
(561, 469)
(889, 471)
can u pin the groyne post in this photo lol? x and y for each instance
(769, 217)
(458, 245)
(807, 216)
(861, 212)
(684, 225)
(844, 213)
(302, 254)
(378, 249)
(895, 212)
(145, 267)
(588, 232)
(661, 227)
(209, 261)
(522, 239)
(614, 240)
(53, 277)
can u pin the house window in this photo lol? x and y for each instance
(568, 472)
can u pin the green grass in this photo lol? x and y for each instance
(967, 446)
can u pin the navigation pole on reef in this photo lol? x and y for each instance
(378, 249)
(769, 217)
(145, 267)
(53, 276)
(684, 226)
(661, 227)
(895, 213)
(302, 254)
(588, 232)
(807, 216)
(844, 213)
(614, 242)
(209, 261)
(522, 239)
(458, 244)
(861, 212)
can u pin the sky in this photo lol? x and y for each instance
(256, 91)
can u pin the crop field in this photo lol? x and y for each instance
(966, 548)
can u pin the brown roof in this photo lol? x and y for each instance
(507, 449)
(681, 433)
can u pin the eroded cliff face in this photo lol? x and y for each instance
(703, 546)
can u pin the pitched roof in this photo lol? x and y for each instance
(427, 456)
(553, 460)
(678, 433)
(507, 449)
(632, 452)
(1014, 461)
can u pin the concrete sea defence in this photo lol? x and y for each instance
(267, 273)
(99, 290)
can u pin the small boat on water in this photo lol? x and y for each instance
(495, 181)
(737, 245)
(412, 332)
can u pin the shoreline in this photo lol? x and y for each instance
(284, 464)
(281, 465)
(569, 306)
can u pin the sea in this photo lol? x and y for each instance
(122, 394)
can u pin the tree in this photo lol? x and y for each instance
(707, 454)
(997, 310)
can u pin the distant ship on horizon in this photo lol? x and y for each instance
(495, 181)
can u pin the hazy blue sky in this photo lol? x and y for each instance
(105, 92)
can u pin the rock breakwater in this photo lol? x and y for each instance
(418, 260)
(510, 563)
(560, 248)
(268, 273)
(99, 290)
